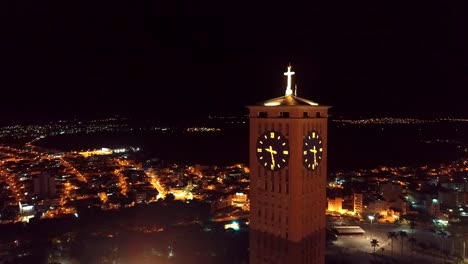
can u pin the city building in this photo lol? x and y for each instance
(335, 204)
(433, 208)
(288, 168)
(240, 200)
(357, 202)
(376, 206)
(44, 185)
(451, 197)
(391, 191)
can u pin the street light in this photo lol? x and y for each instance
(371, 218)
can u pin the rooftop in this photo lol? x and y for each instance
(290, 98)
(287, 100)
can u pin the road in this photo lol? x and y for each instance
(156, 184)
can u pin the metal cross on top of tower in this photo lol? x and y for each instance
(289, 73)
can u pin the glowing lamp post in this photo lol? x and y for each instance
(371, 218)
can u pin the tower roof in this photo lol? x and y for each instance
(290, 98)
(287, 100)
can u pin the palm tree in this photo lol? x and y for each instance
(412, 241)
(412, 225)
(444, 235)
(374, 243)
(433, 246)
(458, 259)
(403, 235)
(392, 235)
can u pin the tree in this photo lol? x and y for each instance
(170, 197)
(412, 225)
(403, 235)
(380, 217)
(458, 259)
(444, 235)
(433, 246)
(412, 241)
(374, 243)
(392, 236)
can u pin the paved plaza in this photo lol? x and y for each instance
(357, 249)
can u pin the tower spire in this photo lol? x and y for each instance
(289, 73)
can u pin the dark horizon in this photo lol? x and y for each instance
(93, 60)
(200, 119)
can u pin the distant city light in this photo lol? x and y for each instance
(203, 129)
(120, 150)
(234, 225)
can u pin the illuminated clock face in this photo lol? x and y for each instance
(272, 150)
(312, 150)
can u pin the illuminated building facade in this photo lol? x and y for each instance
(335, 204)
(240, 200)
(288, 163)
(357, 202)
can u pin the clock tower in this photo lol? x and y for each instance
(288, 168)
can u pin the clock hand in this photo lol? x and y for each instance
(315, 154)
(272, 151)
(313, 150)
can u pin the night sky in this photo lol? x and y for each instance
(65, 59)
